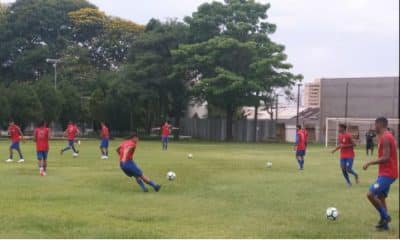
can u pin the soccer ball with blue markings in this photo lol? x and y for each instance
(171, 176)
(332, 213)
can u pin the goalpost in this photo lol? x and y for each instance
(358, 127)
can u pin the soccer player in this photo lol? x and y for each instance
(305, 132)
(41, 137)
(15, 135)
(369, 136)
(346, 146)
(105, 135)
(300, 147)
(165, 131)
(387, 172)
(126, 151)
(71, 132)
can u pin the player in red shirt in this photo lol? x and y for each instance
(126, 151)
(346, 146)
(387, 171)
(16, 136)
(71, 132)
(105, 136)
(165, 131)
(41, 137)
(300, 147)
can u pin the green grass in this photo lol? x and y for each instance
(225, 191)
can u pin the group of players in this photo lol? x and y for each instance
(377, 194)
(387, 161)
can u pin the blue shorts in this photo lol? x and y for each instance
(381, 186)
(71, 143)
(131, 169)
(104, 143)
(164, 139)
(300, 153)
(346, 163)
(41, 155)
(15, 145)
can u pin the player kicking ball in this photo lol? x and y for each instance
(71, 132)
(126, 151)
(346, 146)
(15, 135)
(41, 137)
(387, 172)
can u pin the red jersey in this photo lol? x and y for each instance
(42, 139)
(305, 135)
(388, 169)
(72, 130)
(300, 141)
(165, 130)
(14, 132)
(345, 139)
(105, 133)
(127, 145)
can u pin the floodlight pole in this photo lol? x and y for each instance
(54, 62)
(346, 106)
(298, 103)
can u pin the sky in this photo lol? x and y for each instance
(323, 39)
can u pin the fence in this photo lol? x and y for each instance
(215, 129)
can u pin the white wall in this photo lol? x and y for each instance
(290, 133)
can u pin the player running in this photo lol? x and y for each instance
(126, 151)
(41, 137)
(346, 146)
(15, 135)
(105, 136)
(300, 147)
(387, 172)
(71, 132)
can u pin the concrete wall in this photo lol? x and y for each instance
(368, 98)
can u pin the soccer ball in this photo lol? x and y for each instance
(190, 156)
(269, 164)
(171, 176)
(332, 213)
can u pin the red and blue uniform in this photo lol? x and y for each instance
(128, 166)
(41, 136)
(165, 132)
(388, 171)
(300, 143)
(105, 136)
(346, 153)
(15, 136)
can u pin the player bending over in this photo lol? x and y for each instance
(105, 136)
(126, 151)
(387, 172)
(346, 146)
(41, 137)
(15, 135)
(71, 132)
(300, 147)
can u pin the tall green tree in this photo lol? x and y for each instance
(50, 99)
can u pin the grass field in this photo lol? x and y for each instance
(225, 191)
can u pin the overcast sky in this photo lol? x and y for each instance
(336, 38)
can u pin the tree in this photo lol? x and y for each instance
(50, 99)
(26, 106)
(5, 109)
(225, 54)
(71, 107)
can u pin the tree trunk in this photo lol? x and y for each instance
(229, 123)
(255, 123)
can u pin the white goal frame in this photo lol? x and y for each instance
(337, 121)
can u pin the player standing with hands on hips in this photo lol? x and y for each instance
(41, 137)
(387, 171)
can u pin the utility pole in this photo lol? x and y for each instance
(298, 103)
(54, 62)
(346, 106)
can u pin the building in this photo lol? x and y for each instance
(367, 97)
(312, 94)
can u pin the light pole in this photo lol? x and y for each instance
(346, 105)
(298, 103)
(54, 62)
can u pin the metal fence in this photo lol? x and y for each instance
(215, 129)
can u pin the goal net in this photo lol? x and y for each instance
(358, 127)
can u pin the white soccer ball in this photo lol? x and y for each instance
(190, 156)
(332, 213)
(269, 164)
(171, 176)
